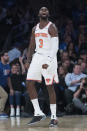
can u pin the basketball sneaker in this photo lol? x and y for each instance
(36, 119)
(53, 123)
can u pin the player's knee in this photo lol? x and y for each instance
(30, 83)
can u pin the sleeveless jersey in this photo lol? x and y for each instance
(43, 40)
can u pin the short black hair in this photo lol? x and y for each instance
(3, 52)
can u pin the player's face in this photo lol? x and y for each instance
(43, 13)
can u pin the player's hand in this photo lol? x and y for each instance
(44, 66)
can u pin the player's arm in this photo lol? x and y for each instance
(54, 43)
(31, 47)
(54, 40)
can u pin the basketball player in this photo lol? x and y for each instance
(44, 41)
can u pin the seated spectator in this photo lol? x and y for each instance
(73, 80)
(4, 81)
(61, 74)
(64, 56)
(81, 42)
(69, 30)
(80, 96)
(84, 67)
(63, 45)
(68, 65)
(72, 49)
(79, 14)
(3, 12)
(81, 29)
(79, 60)
(60, 87)
(83, 56)
(15, 99)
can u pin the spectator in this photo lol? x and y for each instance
(81, 41)
(71, 49)
(80, 60)
(83, 56)
(2, 13)
(80, 96)
(72, 81)
(15, 99)
(84, 67)
(4, 81)
(64, 56)
(60, 88)
(68, 65)
(63, 45)
(69, 30)
(81, 29)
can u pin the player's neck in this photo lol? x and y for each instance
(43, 23)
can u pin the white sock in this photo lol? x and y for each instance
(18, 111)
(12, 111)
(53, 111)
(37, 110)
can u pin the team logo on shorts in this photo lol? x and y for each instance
(47, 80)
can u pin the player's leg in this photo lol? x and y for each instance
(52, 97)
(34, 97)
(38, 114)
(50, 75)
(34, 74)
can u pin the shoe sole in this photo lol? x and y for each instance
(29, 124)
(53, 125)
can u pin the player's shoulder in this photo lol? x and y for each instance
(33, 29)
(52, 29)
(52, 26)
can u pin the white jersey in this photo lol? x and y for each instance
(43, 48)
(43, 40)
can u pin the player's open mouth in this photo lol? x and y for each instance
(44, 14)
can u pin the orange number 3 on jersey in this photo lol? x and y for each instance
(41, 43)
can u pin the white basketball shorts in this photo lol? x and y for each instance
(35, 71)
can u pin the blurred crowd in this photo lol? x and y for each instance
(16, 23)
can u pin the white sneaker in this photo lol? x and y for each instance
(18, 112)
(12, 112)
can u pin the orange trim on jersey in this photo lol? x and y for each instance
(41, 34)
(33, 80)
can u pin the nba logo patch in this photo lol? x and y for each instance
(47, 80)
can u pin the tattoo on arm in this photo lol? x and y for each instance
(53, 30)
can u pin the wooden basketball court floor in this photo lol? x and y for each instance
(66, 123)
